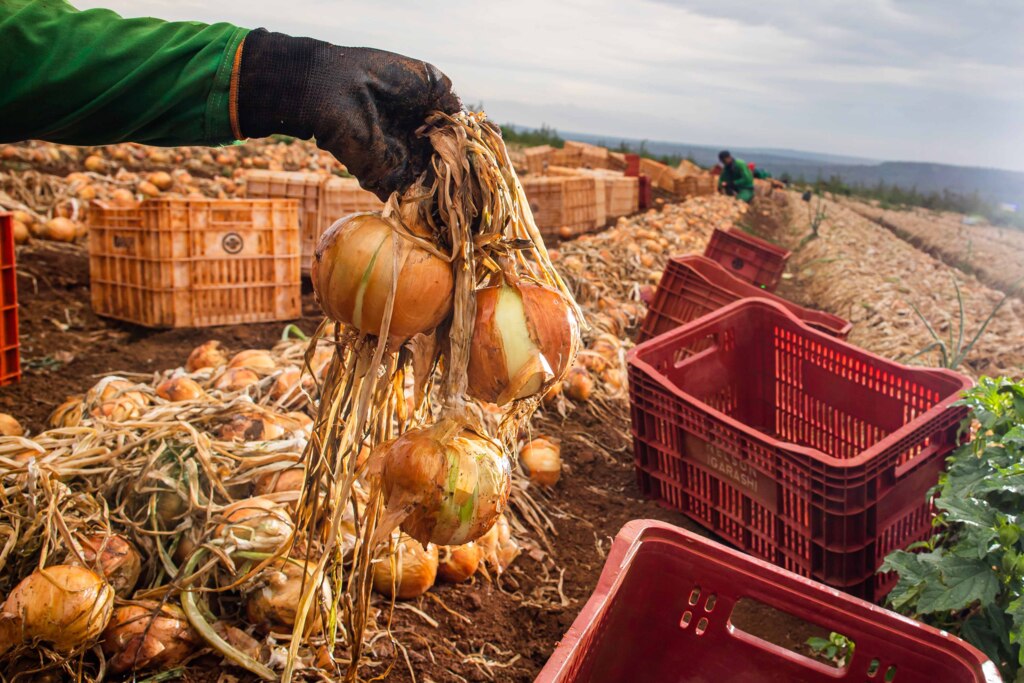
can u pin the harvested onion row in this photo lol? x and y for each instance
(404, 286)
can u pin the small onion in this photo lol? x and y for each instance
(116, 399)
(60, 230)
(65, 605)
(251, 426)
(497, 547)
(209, 354)
(148, 189)
(180, 388)
(256, 359)
(272, 601)
(257, 523)
(148, 635)
(161, 179)
(236, 379)
(543, 461)
(415, 569)
(289, 385)
(94, 163)
(10, 426)
(21, 232)
(458, 563)
(115, 559)
(524, 338)
(123, 197)
(578, 385)
(281, 481)
(450, 483)
(353, 275)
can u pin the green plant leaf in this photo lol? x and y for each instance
(963, 582)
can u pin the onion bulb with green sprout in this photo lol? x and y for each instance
(353, 274)
(445, 483)
(525, 336)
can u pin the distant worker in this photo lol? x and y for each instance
(736, 179)
(94, 78)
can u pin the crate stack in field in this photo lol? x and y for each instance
(196, 262)
(754, 417)
(323, 199)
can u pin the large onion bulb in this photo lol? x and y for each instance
(148, 635)
(412, 573)
(450, 483)
(353, 274)
(524, 338)
(257, 523)
(65, 605)
(115, 559)
(274, 596)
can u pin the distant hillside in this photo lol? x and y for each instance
(994, 185)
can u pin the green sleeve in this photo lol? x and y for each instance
(94, 78)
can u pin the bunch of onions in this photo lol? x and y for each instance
(209, 354)
(116, 399)
(543, 461)
(147, 635)
(180, 388)
(354, 272)
(115, 559)
(64, 605)
(497, 547)
(449, 483)
(459, 562)
(524, 337)
(259, 524)
(407, 574)
(274, 595)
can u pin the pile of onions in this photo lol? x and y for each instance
(147, 635)
(354, 272)
(259, 524)
(274, 597)
(459, 562)
(524, 337)
(64, 605)
(449, 483)
(115, 559)
(209, 354)
(543, 461)
(407, 574)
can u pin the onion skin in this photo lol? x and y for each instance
(65, 605)
(452, 491)
(115, 559)
(543, 461)
(209, 354)
(148, 635)
(458, 563)
(277, 593)
(352, 275)
(415, 567)
(179, 388)
(552, 329)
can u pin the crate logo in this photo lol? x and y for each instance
(122, 242)
(232, 243)
(732, 470)
(740, 472)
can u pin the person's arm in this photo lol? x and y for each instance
(744, 178)
(94, 78)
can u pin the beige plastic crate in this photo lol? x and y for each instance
(196, 262)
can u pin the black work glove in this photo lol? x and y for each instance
(362, 105)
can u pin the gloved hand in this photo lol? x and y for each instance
(362, 105)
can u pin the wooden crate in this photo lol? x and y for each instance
(538, 158)
(566, 206)
(622, 196)
(662, 177)
(196, 262)
(322, 201)
(589, 156)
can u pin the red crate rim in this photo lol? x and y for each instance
(849, 614)
(634, 360)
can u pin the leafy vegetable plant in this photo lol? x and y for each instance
(969, 579)
(837, 648)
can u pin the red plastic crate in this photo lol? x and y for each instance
(693, 286)
(748, 257)
(10, 363)
(632, 165)
(796, 447)
(662, 611)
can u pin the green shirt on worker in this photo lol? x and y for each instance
(92, 77)
(740, 178)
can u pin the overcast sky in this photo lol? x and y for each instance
(923, 80)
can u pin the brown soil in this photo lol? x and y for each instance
(517, 622)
